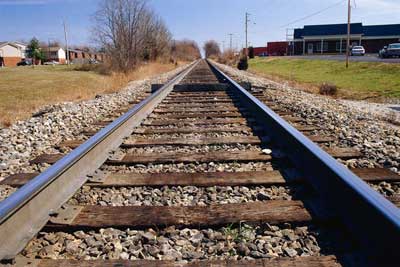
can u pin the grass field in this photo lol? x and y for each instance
(363, 80)
(24, 89)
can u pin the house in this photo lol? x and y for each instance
(23, 48)
(332, 38)
(79, 56)
(10, 54)
(55, 54)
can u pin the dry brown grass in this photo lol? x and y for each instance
(24, 90)
(229, 58)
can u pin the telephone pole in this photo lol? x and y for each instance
(247, 20)
(348, 33)
(66, 42)
(230, 40)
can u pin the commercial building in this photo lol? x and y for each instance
(331, 39)
(260, 51)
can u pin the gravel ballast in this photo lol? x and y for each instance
(192, 167)
(231, 242)
(179, 195)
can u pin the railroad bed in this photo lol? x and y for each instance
(200, 173)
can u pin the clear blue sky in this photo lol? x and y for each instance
(194, 19)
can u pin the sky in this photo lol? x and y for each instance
(199, 20)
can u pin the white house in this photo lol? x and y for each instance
(22, 47)
(55, 53)
(10, 54)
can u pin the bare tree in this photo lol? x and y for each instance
(211, 49)
(229, 57)
(129, 32)
(185, 50)
(52, 43)
(157, 38)
(84, 48)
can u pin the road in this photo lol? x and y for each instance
(366, 58)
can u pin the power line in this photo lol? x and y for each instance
(315, 13)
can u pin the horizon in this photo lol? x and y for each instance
(270, 26)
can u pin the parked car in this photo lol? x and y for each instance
(53, 62)
(93, 61)
(357, 50)
(24, 62)
(392, 50)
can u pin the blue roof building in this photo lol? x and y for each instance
(331, 38)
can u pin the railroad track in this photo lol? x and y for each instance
(200, 173)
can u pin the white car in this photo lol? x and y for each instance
(357, 51)
(53, 62)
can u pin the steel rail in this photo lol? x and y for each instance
(373, 219)
(26, 211)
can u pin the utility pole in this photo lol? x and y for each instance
(48, 50)
(348, 33)
(247, 20)
(66, 42)
(230, 40)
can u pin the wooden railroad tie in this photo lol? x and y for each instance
(375, 175)
(202, 157)
(266, 178)
(189, 130)
(198, 105)
(197, 110)
(198, 141)
(196, 122)
(272, 211)
(206, 101)
(239, 156)
(312, 261)
(189, 115)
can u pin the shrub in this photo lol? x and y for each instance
(103, 69)
(243, 64)
(328, 89)
(228, 57)
(85, 67)
(251, 52)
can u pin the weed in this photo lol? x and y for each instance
(238, 234)
(328, 89)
